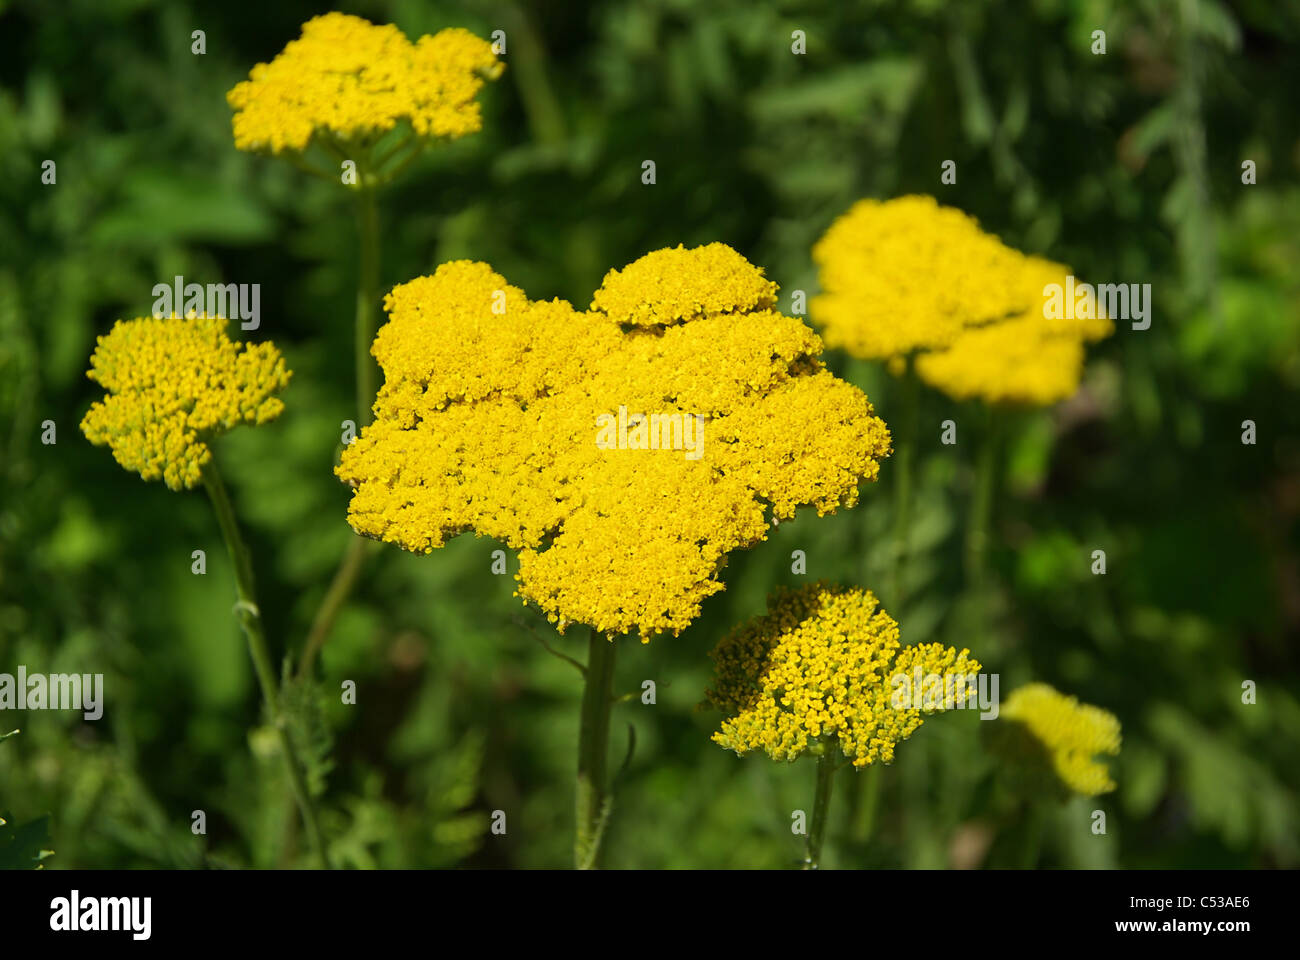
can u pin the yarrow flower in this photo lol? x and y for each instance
(734, 286)
(348, 78)
(910, 277)
(1053, 731)
(174, 384)
(489, 418)
(824, 666)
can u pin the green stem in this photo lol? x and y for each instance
(250, 619)
(384, 158)
(821, 804)
(301, 162)
(529, 66)
(345, 578)
(866, 802)
(367, 296)
(904, 445)
(1033, 823)
(349, 569)
(1196, 229)
(593, 750)
(392, 173)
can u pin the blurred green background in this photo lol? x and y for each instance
(1127, 166)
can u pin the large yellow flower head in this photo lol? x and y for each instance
(351, 79)
(173, 384)
(825, 665)
(910, 277)
(624, 451)
(1050, 730)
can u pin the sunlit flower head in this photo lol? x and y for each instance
(1047, 729)
(908, 277)
(172, 385)
(826, 666)
(687, 285)
(623, 457)
(348, 78)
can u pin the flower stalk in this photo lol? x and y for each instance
(354, 558)
(826, 767)
(865, 802)
(250, 620)
(904, 453)
(367, 293)
(593, 751)
(1033, 824)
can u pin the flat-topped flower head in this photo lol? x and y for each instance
(670, 285)
(624, 459)
(1049, 731)
(826, 666)
(910, 277)
(350, 79)
(173, 384)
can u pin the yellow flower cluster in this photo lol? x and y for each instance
(908, 276)
(735, 287)
(489, 417)
(350, 78)
(825, 665)
(172, 385)
(1071, 734)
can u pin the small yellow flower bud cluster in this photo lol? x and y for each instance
(820, 667)
(172, 385)
(1068, 735)
(487, 421)
(908, 276)
(348, 77)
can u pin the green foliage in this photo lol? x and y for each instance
(25, 846)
